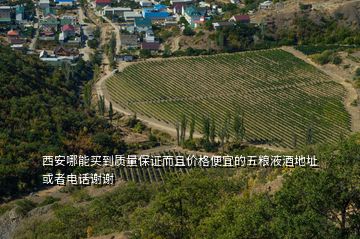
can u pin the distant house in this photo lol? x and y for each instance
(145, 3)
(131, 16)
(49, 11)
(265, 5)
(177, 7)
(44, 4)
(5, 14)
(244, 19)
(157, 12)
(115, 11)
(180, 1)
(49, 21)
(126, 58)
(102, 3)
(62, 51)
(149, 36)
(220, 25)
(142, 24)
(68, 30)
(14, 37)
(19, 11)
(68, 20)
(128, 41)
(55, 60)
(65, 2)
(152, 46)
(194, 15)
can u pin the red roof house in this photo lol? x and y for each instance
(12, 33)
(68, 28)
(240, 18)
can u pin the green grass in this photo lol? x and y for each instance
(281, 95)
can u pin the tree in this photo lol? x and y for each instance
(192, 127)
(309, 136)
(111, 112)
(206, 129)
(239, 126)
(183, 128)
(212, 134)
(177, 127)
(101, 105)
(188, 31)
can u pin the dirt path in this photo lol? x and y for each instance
(341, 79)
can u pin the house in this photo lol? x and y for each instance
(181, 1)
(48, 11)
(149, 36)
(177, 8)
(62, 51)
(5, 14)
(44, 4)
(220, 25)
(235, 1)
(49, 21)
(19, 11)
(152, 46)
(265, 5)
(102, 3)
(145, 3)
(68, 30)
(14, 37)
(142, 24)
(128, 41)
(126, 58)
(115, 11)
(157, 12)
(68, 20)
(194, 15)
(131, 16)
(68, 3)
(244, 19)
(55, 60)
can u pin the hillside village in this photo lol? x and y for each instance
(59, 31)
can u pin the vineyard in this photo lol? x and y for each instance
(281, 96)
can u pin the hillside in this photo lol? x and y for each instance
(280, 96)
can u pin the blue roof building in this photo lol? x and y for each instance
(157, 12)
(65, 2)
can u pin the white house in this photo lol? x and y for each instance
(149, 36)
(265, 5)
(44, 4)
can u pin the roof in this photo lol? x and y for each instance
(223, 24)
(20, 9)
(127, 39)
(240, 18)
(150, 45)
(103, 1)
(65, 21)
(159, 7)
(12, 33)
(142, 22)
(132, 15)
(193, 11)
(154, 14)
(68, 27)
(64, 0)
(5, 8)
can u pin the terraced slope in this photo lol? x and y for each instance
(281, 96)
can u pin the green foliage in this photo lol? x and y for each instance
(41, 114)
(48, 200)
(24, 206)
(188, 31)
